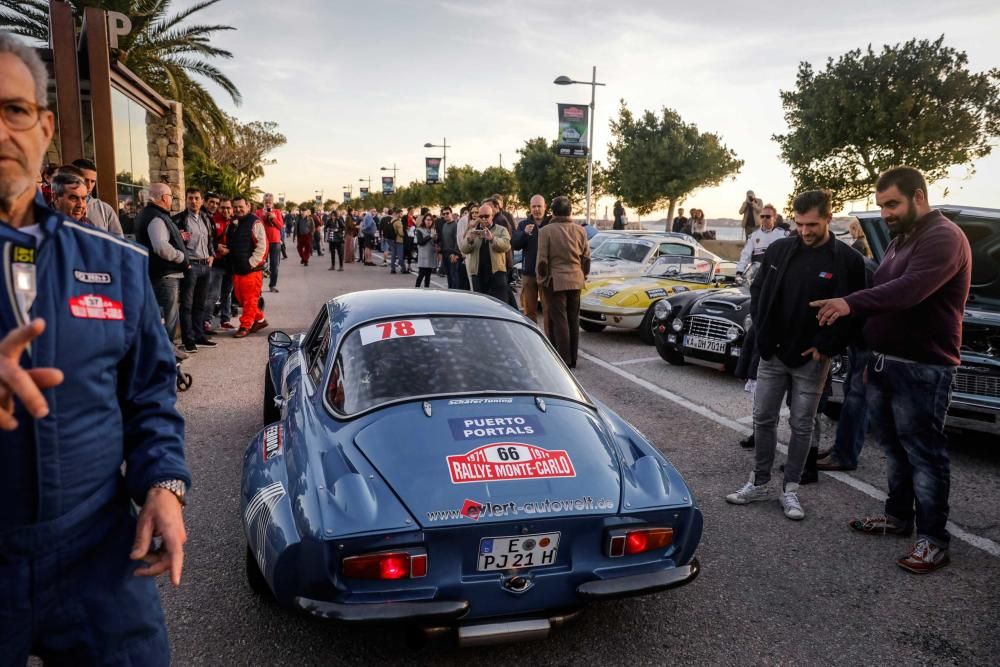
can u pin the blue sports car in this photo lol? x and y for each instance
(428, 458)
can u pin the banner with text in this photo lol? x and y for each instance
(387, 185)
(364, 192)
(347, 196)
(572, 130)
(433, 169)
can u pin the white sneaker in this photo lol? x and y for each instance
(790, 502)
(750, 387)
(750, 493)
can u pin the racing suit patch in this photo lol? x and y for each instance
(95, 307)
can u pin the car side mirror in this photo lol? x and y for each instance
(280, 339)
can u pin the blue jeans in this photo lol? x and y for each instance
(396, 249)
(804, 386)
(194, 288)
(853, 423)
(908, 403)
(167, 291)
(274, 258)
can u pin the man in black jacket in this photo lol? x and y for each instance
(168, 258)
(794, 350)
(526, 240)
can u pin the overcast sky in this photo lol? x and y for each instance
(359, 85)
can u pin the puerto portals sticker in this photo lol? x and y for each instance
(495, 427)
(504, 461)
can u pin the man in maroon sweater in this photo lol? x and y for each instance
(914, 329)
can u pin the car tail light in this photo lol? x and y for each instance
(640, 540)
(386, 566)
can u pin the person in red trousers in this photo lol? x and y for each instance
(246, 249)
(304, 228)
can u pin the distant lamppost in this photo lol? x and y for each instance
(566, 81)
(444, 156)
(393, 170)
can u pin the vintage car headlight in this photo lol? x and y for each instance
(747, 322)
(732, 333)
(661, 310)
(677, 324)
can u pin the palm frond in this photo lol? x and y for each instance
(184, 14)
(211, 73)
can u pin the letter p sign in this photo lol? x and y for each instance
(119, 25)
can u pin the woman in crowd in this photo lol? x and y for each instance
(424, 238)
(351, 235)
(619, 216)
(698, 224)
(335, 231)
(860, 242)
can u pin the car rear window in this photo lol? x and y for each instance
(393, 360)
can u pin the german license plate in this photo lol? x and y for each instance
(706, 344)
(518, 551)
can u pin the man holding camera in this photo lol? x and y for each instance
(485, 246)
(750, 209)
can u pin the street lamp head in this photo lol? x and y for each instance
(563, 81)
(428, 145)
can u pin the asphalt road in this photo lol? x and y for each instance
(772, 591)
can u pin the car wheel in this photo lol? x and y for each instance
(669, 354)
(646, 328)
(258, 584)
(591, 327)
(271, 411)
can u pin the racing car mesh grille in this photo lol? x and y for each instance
(708, 327)
(977, 385)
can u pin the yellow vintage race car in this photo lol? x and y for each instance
(627, 303)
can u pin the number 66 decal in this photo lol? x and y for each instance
(374, 333)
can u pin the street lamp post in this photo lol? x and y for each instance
(444, 155)
(369, 180)
(393, 170)
(565, 81)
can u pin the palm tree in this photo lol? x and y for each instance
(169, 56)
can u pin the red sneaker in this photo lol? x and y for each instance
(227, 326)
(925, 557)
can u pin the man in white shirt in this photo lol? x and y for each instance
(759, 240)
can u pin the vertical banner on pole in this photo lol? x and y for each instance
(364, 192)
(347, 196)
(572, 130)
(433, 165)
(388, 187)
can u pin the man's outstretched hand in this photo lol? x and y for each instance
(25, 385)
(830, 310)
(160, 517)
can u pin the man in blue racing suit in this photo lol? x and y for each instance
(88, 423)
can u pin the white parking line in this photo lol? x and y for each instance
(977, 541)
(643, 360)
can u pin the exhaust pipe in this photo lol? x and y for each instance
(497, 633)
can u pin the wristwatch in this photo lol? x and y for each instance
(174, 486)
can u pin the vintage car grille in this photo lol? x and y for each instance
(976, 384)
(709, 327)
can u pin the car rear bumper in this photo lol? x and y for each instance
(640, 584)
(443, 611)
(377, 612)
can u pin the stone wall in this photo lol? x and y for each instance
(165, 137)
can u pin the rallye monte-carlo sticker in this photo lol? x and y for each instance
(502, 461)
(95, 307)
(495, 427)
